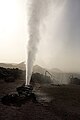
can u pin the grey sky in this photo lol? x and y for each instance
(59, 34)
(13, 30)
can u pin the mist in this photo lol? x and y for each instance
(39, 10)
(60, 45)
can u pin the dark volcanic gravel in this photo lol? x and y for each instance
(28, 111)
(65, 104)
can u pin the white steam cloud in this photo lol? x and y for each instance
(38, 11)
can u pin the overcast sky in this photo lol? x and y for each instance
(59, 34)
(13, 30)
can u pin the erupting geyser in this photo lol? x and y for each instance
(38, 10)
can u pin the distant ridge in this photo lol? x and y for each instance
(56, 70)
(7, 65)
(36, 68)
(21, 66)
(39, 69)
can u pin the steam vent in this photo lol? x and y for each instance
(22, 94)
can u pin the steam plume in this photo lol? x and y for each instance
(38, 11)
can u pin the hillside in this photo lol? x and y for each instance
(36, 68)
(57, 74)
(20, 65)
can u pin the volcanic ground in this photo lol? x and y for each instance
(60, 102)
